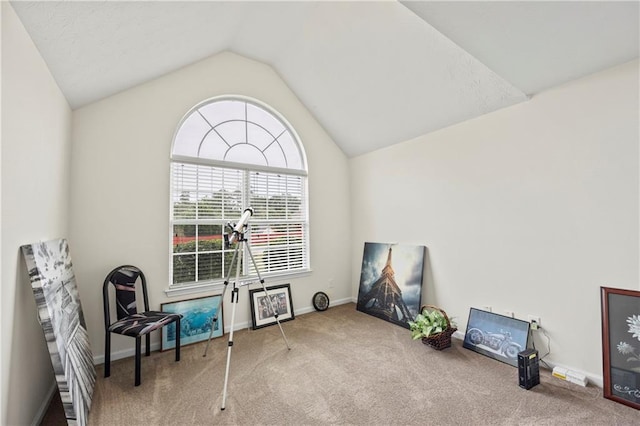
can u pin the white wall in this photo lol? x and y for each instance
(120, 185)
(36, 122)
(529, 209)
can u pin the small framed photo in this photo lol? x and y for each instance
(621, 345)
(196, 322)
(261, 312)
(496, 336)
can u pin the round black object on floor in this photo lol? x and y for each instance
(320, 301)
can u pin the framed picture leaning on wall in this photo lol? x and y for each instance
(496, 336)
(196, 323)
(621, 345)
(391, 282)
(59, 312)
(261, 313)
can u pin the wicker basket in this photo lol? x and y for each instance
(441, 340)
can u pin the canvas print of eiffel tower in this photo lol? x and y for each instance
(391, 282)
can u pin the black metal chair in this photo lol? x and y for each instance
(130, 322)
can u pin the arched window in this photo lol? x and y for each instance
(228, 154)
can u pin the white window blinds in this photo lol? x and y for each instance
(228, 155)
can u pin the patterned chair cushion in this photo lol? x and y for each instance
(142, 323)
(124, 281)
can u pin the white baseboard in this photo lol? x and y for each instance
(344, 301)
(127, 353)
(594, 379)
(308, 309)
(458, 335)
(45, 404)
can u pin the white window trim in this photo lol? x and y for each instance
(237, 166)
(174, 290)
(256, 102)
(218, 285)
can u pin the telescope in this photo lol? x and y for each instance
(238, 229)
(237, 234)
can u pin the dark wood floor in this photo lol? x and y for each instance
(55, 413)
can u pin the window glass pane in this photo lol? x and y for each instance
(190, 134)
(248, 154)
(277, 206)
(184, 238)
(212, 130)
(275, 258)
(275, 196)
(275, 156)
(210, 188)
(184, 191)
(233, 132)
(265, 119)
(295, 233)
(184, 207)
(221, 111)
(259, 136)
(295, 198)
(209, 266)
(291, 151)
(212, 147)
(209, 206)
(278, 246)
(232, 182)
(184, 268)
(210, 238)
(259, 194)
(259, 204)
(232, 205)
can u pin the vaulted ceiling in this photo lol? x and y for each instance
(373, 73)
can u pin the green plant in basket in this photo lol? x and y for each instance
(428, 323)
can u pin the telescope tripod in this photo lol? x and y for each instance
(237, 257)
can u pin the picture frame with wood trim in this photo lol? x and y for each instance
(621, 345)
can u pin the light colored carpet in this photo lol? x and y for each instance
(344, 367)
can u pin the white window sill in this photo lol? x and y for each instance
(209, 286)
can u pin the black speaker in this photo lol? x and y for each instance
(528, 368)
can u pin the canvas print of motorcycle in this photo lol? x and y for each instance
(496, 336)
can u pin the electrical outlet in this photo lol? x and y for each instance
(535, 322)
(510, 314)
(487, 308)
(330, 282)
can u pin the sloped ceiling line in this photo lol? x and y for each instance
(373, 73)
